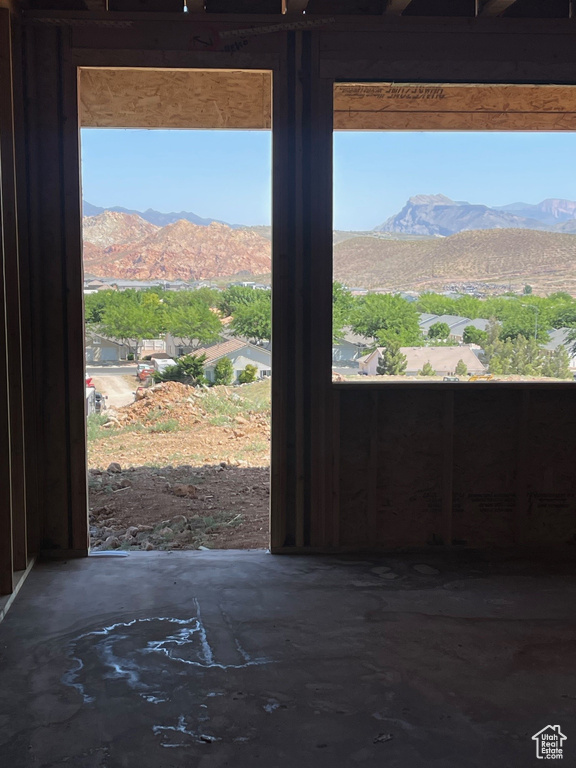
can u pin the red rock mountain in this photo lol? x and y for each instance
(127, 247)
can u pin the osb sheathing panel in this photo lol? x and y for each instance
(485, 458)
(151, 98)
(550, 516)
(499, 467)
(389, 106)
(390, 468)
(409, 469)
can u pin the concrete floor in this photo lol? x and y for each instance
(243, 659)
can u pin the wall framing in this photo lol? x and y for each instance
(327, 474)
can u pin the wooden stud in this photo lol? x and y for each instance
(6, 555)
(13, 309)
(75, 381)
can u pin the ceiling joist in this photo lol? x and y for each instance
(495, 7)
(294, 6)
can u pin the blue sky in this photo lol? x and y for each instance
(227, 174)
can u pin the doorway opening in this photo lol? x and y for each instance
(177, 292)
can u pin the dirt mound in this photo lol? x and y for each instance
(189, 405)
(175, 424)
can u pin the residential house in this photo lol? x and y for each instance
(241, 353)
(349, 347)
(456, 324)
(100, 349)
(442, 359)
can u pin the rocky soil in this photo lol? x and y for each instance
(209, 507)
(182, 468)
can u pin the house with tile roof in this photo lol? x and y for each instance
(241, 353)
(442, 359)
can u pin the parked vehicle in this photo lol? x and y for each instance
(145, 373)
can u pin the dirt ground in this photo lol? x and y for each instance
(215, 507)
(182, 468)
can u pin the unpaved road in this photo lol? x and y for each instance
(119, 389)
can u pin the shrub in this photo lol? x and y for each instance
(248, 375)
(461, 368)
(187, 370)
(427, 370)
(224, 371)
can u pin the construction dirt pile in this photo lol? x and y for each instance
(173, 423)
(184, 403)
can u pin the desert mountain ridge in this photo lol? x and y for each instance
(545, 260)
(438, 215)
(126, 246)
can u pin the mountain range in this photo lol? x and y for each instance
(432, 242)
(438, 215)
(126, 246)
(154, 217)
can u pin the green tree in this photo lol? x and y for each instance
(473, 335)
(238, 295)
(386, 317)
(436, 304)
(195, 323)
(224, 371)
(253, 320)
(439, 331)
(248, 375)
(557, 364)
(392, 361)
(342, 306)
(527, 290)
(95, 305)
(461, 368)
(129, 322)
(187, 370)
(527, 357)
(427, 370)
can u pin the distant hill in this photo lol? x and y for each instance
(551, 211)
(440, 216)
(126, 246)
(545, 260)
(154, 217)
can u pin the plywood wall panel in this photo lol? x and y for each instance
(499, 462)
(409, 468)
(550, 516)
(138, 98)
(485, 466)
